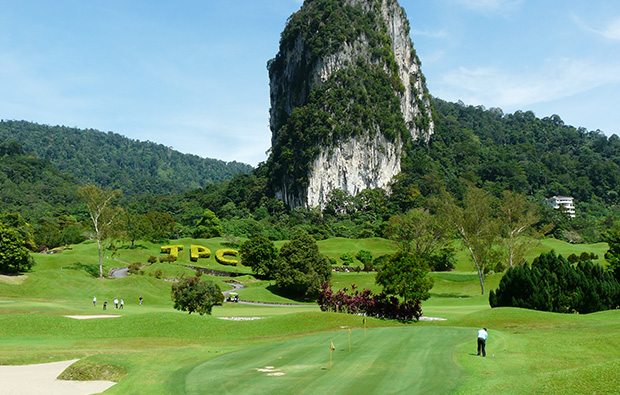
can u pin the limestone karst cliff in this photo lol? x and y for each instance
(346, 93)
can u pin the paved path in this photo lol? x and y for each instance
(236, 287)
(119, 272)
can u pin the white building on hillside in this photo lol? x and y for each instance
(565, 202)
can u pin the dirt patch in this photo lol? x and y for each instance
(14, 280)
(241, 318)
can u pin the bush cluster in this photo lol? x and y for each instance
(168, 258)
(197, 252)
(134, 268)
(172, 250)
(551, 283)
(220, 256)
(367, 303)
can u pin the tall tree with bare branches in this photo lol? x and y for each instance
(103, 214)
(477, 227)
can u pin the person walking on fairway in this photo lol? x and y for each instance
(95, 301)
(140, 300)
(122, 304)
(115, 303)
(482, 340)
(105, 304)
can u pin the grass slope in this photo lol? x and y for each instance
(155, 349)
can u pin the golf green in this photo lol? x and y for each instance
(414, 360)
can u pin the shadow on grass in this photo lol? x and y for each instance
(450, 295)
(286, 294)
(135, 247)
(92, 268)
(232, 245)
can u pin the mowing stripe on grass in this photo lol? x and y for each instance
(387, 360)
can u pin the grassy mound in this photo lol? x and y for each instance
(87, 371)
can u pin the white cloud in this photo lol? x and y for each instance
(611, 30)
(556, 79)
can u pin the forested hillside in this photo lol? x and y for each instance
(472, 146)
(41, 194)
(525, 154)
(539, 157)
(112, 160)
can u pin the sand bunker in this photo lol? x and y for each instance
(241, 318)
(91, 317)
(41, 379)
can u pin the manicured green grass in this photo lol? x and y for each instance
(530, 352)
(337, 246)
(386, 360)
(155, 349)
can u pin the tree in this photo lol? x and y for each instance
(554, 284)
(405, 275)
(135, 227)
(612, 237)
(103, 214)
(477, 228)
(14, 256)
(365, 257)
(208, 226)
(161, 226)
(517, 216)
(301, 268)
(260, 254)
(192, 294)
(417, 232)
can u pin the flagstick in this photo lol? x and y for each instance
(349, 339)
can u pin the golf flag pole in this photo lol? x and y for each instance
(349, 339)
(364, 323)
(331, 349)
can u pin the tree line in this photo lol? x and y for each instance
(111, 160)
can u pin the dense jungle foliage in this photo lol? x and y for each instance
(472, 146)
(518, 152)
(112, 160)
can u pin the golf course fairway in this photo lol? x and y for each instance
(415, 360)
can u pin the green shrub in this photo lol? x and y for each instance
(347, 259)
(192, 294)
(134, 268)
(172, 250)
(168, 258)
(219, 256)
(197, 252)
(151, 259)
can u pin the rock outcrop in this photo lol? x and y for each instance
(346, 93)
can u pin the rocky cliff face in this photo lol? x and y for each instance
(346, 94)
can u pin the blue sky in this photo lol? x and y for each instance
(192, 74)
